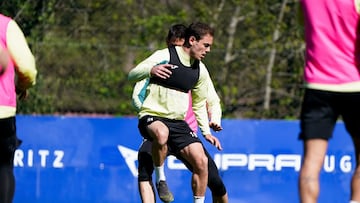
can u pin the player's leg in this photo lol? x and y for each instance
(8, 145)
(318, 117)
(145, 170)
(7, 185)
(355, 181)
(350, 111)
(221, 199)
(195, 155)
(145, 183)
(159, 132)
(155, 129)
(183, 141)
(215, 183)
(147, 192)
(314, 154)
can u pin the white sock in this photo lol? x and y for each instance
(160, 173)
(199, 199)
(352, 201)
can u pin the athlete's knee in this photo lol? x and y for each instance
(162, 136)
(217, 187)
(201, 164)
(160, 133)
(145, 166)
(145, 174)
(215, 182)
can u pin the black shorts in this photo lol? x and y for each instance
(321, 109)
(8, 140)
(180, 134)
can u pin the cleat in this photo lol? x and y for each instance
(164, 193)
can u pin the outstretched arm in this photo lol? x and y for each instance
(23, 58)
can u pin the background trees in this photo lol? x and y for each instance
(85, 48)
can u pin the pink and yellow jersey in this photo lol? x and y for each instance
(332, 58)
(21, 63)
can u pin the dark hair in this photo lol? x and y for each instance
(176, 31)
(198, 30)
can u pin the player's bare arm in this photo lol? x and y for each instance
(161, 71)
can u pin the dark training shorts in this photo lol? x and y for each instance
(180, 134)
(321, 109)
(8, 140)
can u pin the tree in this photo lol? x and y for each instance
(84, 50)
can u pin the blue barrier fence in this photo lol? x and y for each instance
(84, 159)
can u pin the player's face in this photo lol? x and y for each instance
(199, 48)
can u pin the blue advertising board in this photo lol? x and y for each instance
(94, 159)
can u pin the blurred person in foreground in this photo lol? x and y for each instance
(176, 37)
(162, 114)
(20, 65)
(332, 81)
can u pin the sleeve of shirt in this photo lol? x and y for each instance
(142, 70)
(22, 56)
(199, 96)
(357, 6)
(213, 104)
(139, 93)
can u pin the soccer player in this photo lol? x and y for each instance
(176, 37)
(21, 62)
(161, 118)
(332, 79)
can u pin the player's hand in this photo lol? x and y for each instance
(162, 71)
(216, 127)
(213, 140)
